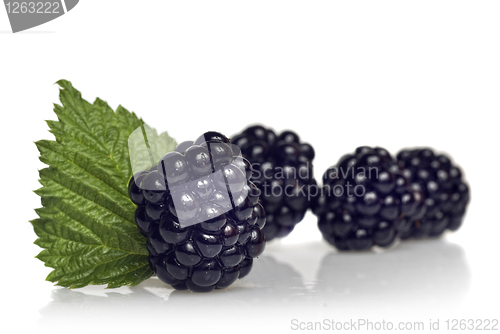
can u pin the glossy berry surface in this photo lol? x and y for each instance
(446, 193)
(201, 215)
(366, 201)
(282, 171)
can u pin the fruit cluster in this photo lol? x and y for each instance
(366, 201)
(446, 194)
(201, 215)
(370, 198)
(208, 207)
(282, 170)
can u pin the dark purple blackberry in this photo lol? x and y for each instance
(446, 193)
(201, 215)
(282, 171)
(365, 201)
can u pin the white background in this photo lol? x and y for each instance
(341, 74)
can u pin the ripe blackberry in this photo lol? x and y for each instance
(200, 215)
(282, 171)
(446, 193)
(366, 201)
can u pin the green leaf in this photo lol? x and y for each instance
(147, 147)
(86, 224)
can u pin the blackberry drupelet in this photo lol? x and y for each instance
(366, 201)
(200, 214)
(282, 172)
(446, 193)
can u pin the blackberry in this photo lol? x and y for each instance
(446, 193)
(366, 201)
(200, 214)
(282, 172)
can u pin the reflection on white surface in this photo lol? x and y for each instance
(412, 279)
(416, 277)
